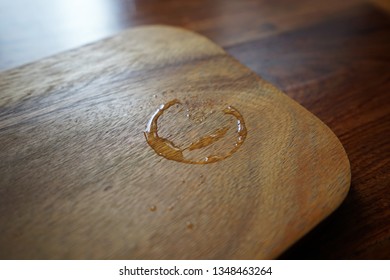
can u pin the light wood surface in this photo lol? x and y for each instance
(79, 180)
(330, 56)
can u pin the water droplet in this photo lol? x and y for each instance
(153, 208)
(170, 208)
(190, 225)
(167, 149)
(155, 95)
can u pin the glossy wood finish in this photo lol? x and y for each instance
(332, 57)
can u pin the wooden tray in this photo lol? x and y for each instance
(156, 144)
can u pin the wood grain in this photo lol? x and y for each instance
(70, 23)
(78, 179)
(331, 56)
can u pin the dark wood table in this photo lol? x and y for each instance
(333, 57)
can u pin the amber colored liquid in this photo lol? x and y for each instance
(169, 150)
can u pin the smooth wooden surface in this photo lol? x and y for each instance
(332, 57)
(78, 179)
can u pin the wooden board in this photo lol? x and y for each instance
(97, 164)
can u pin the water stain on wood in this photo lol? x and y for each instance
(167, 149)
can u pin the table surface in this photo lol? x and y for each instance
(333, 57)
